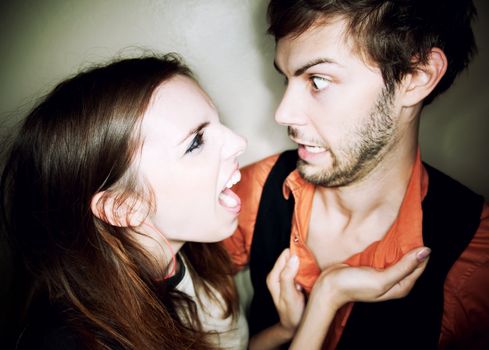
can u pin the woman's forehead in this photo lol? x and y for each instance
(177, 106)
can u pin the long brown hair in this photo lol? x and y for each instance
(80, 140)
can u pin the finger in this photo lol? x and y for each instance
(273, 278)
(412, 261)
(288, 288)
(404, 286)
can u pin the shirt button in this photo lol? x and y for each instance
(296, 239)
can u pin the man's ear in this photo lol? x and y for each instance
(128, 213)
(419, 84)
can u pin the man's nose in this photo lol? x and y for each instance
(290, 112)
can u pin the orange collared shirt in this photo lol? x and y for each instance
(465, 320)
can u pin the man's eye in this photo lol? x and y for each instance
(319, 83)
(197, 142)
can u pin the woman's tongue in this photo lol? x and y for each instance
(229, 200)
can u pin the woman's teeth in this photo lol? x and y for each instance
(227, 197)
(234, 179)
(314, 149)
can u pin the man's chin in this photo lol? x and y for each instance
(312, 173)
(320, 176)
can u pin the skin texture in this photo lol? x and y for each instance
(337, 103)
(194, 153)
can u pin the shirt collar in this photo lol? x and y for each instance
(406, 231)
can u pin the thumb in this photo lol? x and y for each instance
(288, 287)
(273, 278)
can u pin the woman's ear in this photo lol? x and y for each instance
(128, 213)
(419, 84)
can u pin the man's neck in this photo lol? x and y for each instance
(376, 198)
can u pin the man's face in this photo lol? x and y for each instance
(336, 106)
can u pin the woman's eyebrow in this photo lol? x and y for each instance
(194, 131)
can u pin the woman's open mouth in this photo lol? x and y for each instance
(227, 198)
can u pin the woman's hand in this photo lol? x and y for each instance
(342, 283)
(287, 296)
(289, 302)
(335, 286)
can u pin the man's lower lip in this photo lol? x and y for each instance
(307, 156)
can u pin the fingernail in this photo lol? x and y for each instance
(293, 261)
(423, 254)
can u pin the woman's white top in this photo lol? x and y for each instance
(226, 334)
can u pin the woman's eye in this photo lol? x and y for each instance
(197, 142)
(319, 83)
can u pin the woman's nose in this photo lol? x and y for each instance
(234, 145)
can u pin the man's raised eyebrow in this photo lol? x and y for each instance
(194, 131)
(312, 63)
(308, 65)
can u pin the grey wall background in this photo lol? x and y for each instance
(224, 41)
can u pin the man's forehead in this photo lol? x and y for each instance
(325, 40)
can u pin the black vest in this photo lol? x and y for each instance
(451, 215)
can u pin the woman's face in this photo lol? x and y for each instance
(189, 160)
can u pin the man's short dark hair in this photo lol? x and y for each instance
(396, 35)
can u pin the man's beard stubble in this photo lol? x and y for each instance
(361, 151)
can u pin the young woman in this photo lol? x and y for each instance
(107, 179)
(113, 195)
